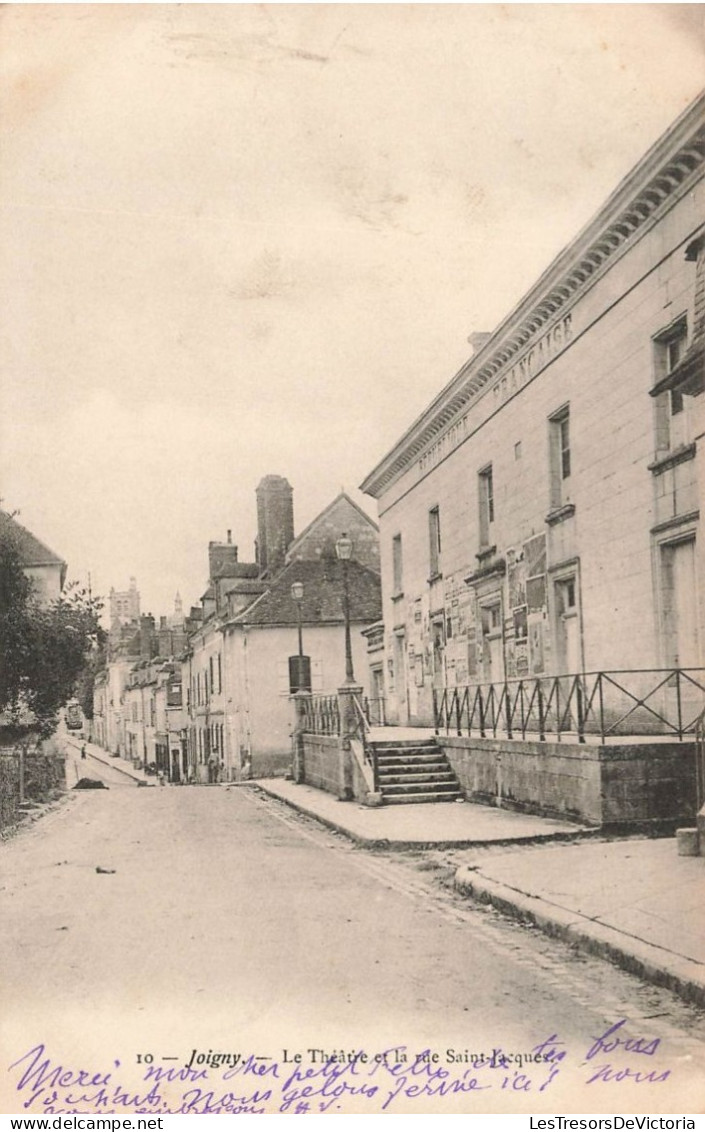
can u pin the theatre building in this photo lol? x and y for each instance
(541, 519)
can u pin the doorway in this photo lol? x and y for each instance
(492, 641)
(400, 679)
(439, 648)
(679, 605)
(679, 629)
(568, 651)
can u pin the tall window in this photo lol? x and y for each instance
(434, 538)
(560, 456)
(485, 483)
(397, 565)
(671, 423)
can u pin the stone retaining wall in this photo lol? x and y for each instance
(627, 784)
(322, 757)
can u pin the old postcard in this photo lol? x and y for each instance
(352, 578)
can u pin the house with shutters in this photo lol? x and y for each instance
(259, 641)
(237, 674)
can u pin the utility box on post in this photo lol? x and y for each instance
(299, 674)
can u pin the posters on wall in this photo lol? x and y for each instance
(536, 605)
(459, 622)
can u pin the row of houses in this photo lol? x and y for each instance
(208, 696)
(541, 560)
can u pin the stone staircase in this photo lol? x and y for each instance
(414, 770)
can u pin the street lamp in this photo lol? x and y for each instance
(343, 549)
(299, 666)
(297, 593)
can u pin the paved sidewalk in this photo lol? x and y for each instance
(420, 825)
(102, 756)
(633, 901)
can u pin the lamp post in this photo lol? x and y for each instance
(300, 684)
(299, 666)
(343, 549)
(297, 593)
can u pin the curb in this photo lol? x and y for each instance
(367, 842)
(386, 843)
(684, 977)
(101, 759)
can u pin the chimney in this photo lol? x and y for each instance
(164, 648)
(221, 554)
(146, 636)
(275, 522)
(477, 340)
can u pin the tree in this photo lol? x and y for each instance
(43, 648)
(95, 663)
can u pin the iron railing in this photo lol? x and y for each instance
(600, 704)
(362, 732)
(374, 709)
(700, 761)
(321, 715)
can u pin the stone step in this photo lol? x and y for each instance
(409, 771)
(441, 776)
(421, 787)
(405, 745)
(411, 760)
(412, 799)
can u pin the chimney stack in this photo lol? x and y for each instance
(147, 635)
(221, 554)
(275, 522)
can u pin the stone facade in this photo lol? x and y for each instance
(543, 516)
(641, 784)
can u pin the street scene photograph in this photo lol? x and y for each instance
(352, 581)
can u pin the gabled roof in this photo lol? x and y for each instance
(322, 516)
(245, 586)
(323, 595)
(235, 570)
(32, 552)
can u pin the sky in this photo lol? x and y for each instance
(248, 239)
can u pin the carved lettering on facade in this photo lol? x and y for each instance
(534, 360)
(445, 444)
(529, 365)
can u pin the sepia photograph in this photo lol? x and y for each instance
(352, 576)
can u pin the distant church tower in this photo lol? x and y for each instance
(178, 618)
(124, 605)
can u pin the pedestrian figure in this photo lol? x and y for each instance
(83, 751)
(212, 769)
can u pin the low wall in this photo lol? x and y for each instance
(9, 788)
(628, 784)
(270, 764)
(44, 777)
(322, 757)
